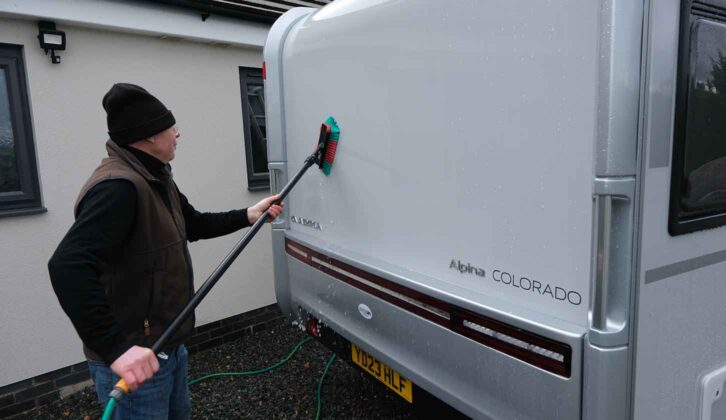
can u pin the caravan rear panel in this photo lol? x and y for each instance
(459, 209)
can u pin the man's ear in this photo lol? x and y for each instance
(151, 139)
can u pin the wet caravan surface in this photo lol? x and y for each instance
(449, 144)
(479, 232)
(454, 178)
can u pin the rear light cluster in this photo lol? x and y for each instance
(514, 341)
(534, 349)
(531, 348)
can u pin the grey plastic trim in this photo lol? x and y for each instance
(605, 382)
(615, 186)
(619, 88)
(713, 385)
(639, 197)
(660, 92)
(278, 180)
(274, 92)
(671, 270)
(281, 272)
(602, 269)
(611, 260)
(660, 152)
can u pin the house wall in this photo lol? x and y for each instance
(199, 82)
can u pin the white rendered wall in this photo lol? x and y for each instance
(200, 84)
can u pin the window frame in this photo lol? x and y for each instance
(28, 199)
(255, 181)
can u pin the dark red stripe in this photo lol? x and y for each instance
(457, 315)
(357, 284)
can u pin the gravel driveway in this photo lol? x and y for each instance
(289, 391)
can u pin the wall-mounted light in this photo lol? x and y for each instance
(51, 39)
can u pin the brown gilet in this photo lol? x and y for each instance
(149, 278)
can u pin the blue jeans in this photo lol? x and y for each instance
(164, 396)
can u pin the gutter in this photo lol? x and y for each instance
(207, 8)
(142, 17)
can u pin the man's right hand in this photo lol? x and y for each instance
(135, 366)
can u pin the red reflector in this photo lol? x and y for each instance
(264, 71)
(313, 327)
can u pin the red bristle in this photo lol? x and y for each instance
(330, 152)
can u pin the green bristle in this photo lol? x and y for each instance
(334, 137)
(334, 129)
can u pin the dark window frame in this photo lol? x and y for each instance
(679, 221)
(28, 199)
(261, 180)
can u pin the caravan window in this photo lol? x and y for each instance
(698, 188)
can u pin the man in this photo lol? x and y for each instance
(123, 270)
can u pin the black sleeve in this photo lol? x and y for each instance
(105, 217)
(211, 225)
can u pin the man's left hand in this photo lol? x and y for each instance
(254, 212)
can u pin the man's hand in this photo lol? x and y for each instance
(254, 212)
(136, 366)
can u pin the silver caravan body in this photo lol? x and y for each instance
(504, 223)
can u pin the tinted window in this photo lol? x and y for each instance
(704, 167)
(698, 170)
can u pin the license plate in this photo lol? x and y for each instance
(383, 373)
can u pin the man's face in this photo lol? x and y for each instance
(165, 144)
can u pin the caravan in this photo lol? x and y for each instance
(525, 218)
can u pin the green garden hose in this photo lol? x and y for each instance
(110, 406)
(320, 385)
(254, 372)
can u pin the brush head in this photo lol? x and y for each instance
(329, 136)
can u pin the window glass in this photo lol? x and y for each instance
(704, 159)
(256, 97)
(258, 132)
(9, 177)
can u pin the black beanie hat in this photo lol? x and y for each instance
(134, 114)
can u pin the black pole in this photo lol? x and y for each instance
(233, 254)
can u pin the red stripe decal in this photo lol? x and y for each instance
(529, 347)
